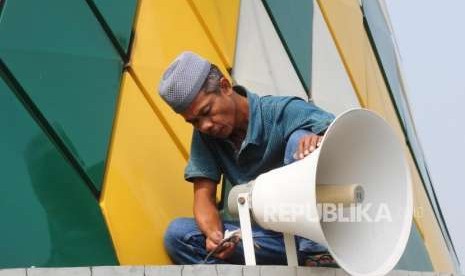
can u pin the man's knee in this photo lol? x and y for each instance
(176, 231)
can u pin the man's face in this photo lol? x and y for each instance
(212, 113)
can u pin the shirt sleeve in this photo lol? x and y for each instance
(201, 162)
(299, 114)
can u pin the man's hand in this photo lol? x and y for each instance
(307, 145)
(208, 219)
(213, 240)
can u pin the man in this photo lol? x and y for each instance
(240, 136)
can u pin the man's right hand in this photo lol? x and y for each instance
(208, 219)
(213, 240)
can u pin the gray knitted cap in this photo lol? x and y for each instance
(183, 79)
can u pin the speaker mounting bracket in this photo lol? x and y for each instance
(243, 207)
(291, 252)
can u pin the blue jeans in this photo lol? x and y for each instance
(185, 243)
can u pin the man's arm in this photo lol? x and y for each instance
(207, 216)
(205, 212)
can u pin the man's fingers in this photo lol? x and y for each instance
(313, 143)
(216, 237)
(307, 145)
(306, 150)
(213, 240)
(300, 149)
(226, 251)
(210, 245)
(320, 139)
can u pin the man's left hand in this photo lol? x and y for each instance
(307, 145)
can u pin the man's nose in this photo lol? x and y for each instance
(205, 125)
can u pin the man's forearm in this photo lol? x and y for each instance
(205, 211)
(206, 215)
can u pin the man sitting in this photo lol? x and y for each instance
(239, 135)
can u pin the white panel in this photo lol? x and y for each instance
(261, 62)
(331, 86)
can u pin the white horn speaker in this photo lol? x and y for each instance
(360, 160)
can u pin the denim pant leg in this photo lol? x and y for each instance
(185, 244)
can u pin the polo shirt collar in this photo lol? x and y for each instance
(254, 128)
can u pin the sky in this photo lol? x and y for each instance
(431, 39)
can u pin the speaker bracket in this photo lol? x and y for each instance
(243, 207)
(291, 252)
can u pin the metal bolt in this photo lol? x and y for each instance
(241, 200)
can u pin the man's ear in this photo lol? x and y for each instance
(225, 85)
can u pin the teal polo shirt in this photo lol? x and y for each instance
(272, 119)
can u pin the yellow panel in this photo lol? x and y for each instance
(427, 225)
(163, 29)
(345, 21)
(376, 95)
(219, 19)
(349, 34)
(144, 187)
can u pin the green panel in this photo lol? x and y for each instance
(385, 50)
(223, 204)
(69, 67)
(1, 8)
(119, 15)
(293, 21)
(48, 215)
(415, 256)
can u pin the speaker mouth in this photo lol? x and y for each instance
(360, 147)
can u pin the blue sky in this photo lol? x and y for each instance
(431, 39)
